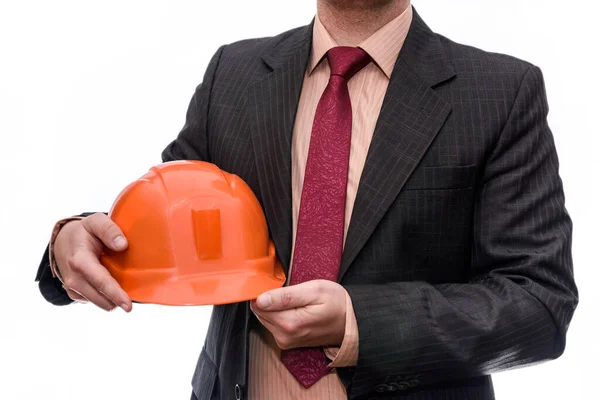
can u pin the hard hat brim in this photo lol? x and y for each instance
(166, 287)
(224, 289)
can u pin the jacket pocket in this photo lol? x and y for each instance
(442, 177)
(205, 377)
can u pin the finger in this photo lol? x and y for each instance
(102, 227)
(259, 317)
(270, 327)
(285, 327)
(267, 318)
(87, 291)
(287, 321)
(74, 295)
(262, 316)
(86, 264)
(288, 297)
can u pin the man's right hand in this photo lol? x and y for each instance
(77, 252)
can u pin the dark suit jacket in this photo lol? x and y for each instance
(458, 256)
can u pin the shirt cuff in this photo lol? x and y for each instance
(346, 355)
(57, 227)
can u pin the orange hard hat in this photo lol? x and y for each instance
(197, 235)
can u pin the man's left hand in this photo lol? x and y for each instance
(310, 314)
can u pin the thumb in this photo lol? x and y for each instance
(286, 298)
(102, 227)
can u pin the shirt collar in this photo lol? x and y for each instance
(383, 46)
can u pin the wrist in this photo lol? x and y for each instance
(57, 242)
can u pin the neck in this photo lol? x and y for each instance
(349, 22)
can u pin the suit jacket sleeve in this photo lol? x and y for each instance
(518, 303)
(190, 144)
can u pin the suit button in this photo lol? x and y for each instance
(238, 392)
(381, 388)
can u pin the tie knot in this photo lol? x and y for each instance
(346, 61)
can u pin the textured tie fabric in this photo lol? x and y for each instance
(320, 231)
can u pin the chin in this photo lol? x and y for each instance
(362, 4)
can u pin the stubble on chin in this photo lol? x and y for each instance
(360, 5)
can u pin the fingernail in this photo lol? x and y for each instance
(125, 307)
(119, 242)
(264, 301)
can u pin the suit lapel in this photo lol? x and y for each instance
(411, 116)
(273, 101)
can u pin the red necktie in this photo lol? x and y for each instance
(320, 231)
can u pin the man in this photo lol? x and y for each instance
(411, 188)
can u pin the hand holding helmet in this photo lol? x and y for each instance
(77, 250)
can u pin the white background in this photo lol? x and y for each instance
(90, 93)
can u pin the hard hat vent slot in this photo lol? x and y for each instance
(207, 233)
